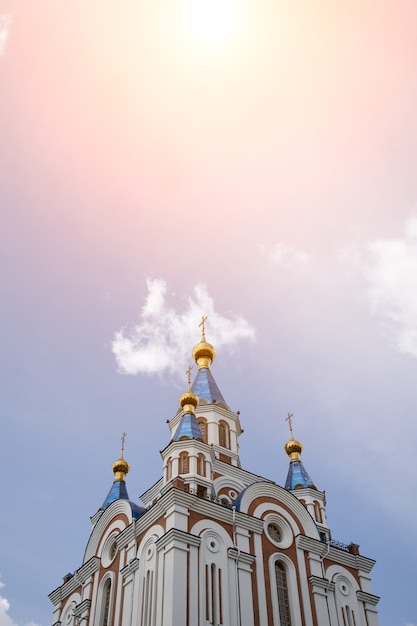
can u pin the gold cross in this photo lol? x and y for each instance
(202, 324)
(288, 419)
(188, 372)
(123, 437)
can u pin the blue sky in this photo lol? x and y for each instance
(154, 168)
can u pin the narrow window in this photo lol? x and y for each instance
(184, 463)
(202, 427)
(214, 601)
(200, 465)
(317, 512)
(282, 595)
(147, 599)
(224, 435)
(169, 469)
(106, 603)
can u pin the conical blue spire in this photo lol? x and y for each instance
(297, 477)
(118, 491)
(204, 386)
(188, 428)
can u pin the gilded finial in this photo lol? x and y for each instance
(123, 437)
(293, 448)
(121, 467)
(188, 400)
(288, 419)
(202, 324)
(203, 352)
(188, 372)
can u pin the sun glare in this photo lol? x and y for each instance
(212, 22)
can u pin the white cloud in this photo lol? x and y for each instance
(163, 338)
(5, 618)
(5, 21)
(281, 254)
(389, 268)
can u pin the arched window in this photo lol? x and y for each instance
(169, 469)
(224, 438)
(317, 512)
(105, 607)
(202, 424)
(201, 465)
(282, 594)
(184, 463)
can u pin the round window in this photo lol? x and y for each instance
(274, 532)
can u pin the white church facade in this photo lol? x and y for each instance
(214, 544)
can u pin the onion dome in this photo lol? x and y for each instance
(203, 353)
(293, 448)
(188, 401)
(120, 468)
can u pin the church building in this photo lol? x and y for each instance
(213, 544)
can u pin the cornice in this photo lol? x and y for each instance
(126, 536)
(77, 580)
(64, 590)
(312, 545)
(322, 583)
(175, 535)
(150, 494)
(131, 567)
(81, 608)
(88, 569)
(225, 469)
(238, 555)
(369, 598)
(358, 562)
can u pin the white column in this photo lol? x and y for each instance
(260, 579)
(241, 562)
(174, 548)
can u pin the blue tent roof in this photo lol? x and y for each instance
(118, 491)
(297, 477)
(188, 428)
(204, 386)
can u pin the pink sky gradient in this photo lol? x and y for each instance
(278, 169)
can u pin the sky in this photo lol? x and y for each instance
(252, 161)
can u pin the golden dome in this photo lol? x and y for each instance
(293, 448)
(120, 468)
(188, 401)
(204, 353)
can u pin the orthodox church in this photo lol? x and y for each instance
(214, 544)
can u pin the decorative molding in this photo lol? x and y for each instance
(240, 556)
(174, 535)
(130, 568)
(315, 546)
(321, 583)
(126, 536)
(81, 608)
(368, 598)
(64, 590)
(88, 569)
(271, 491)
